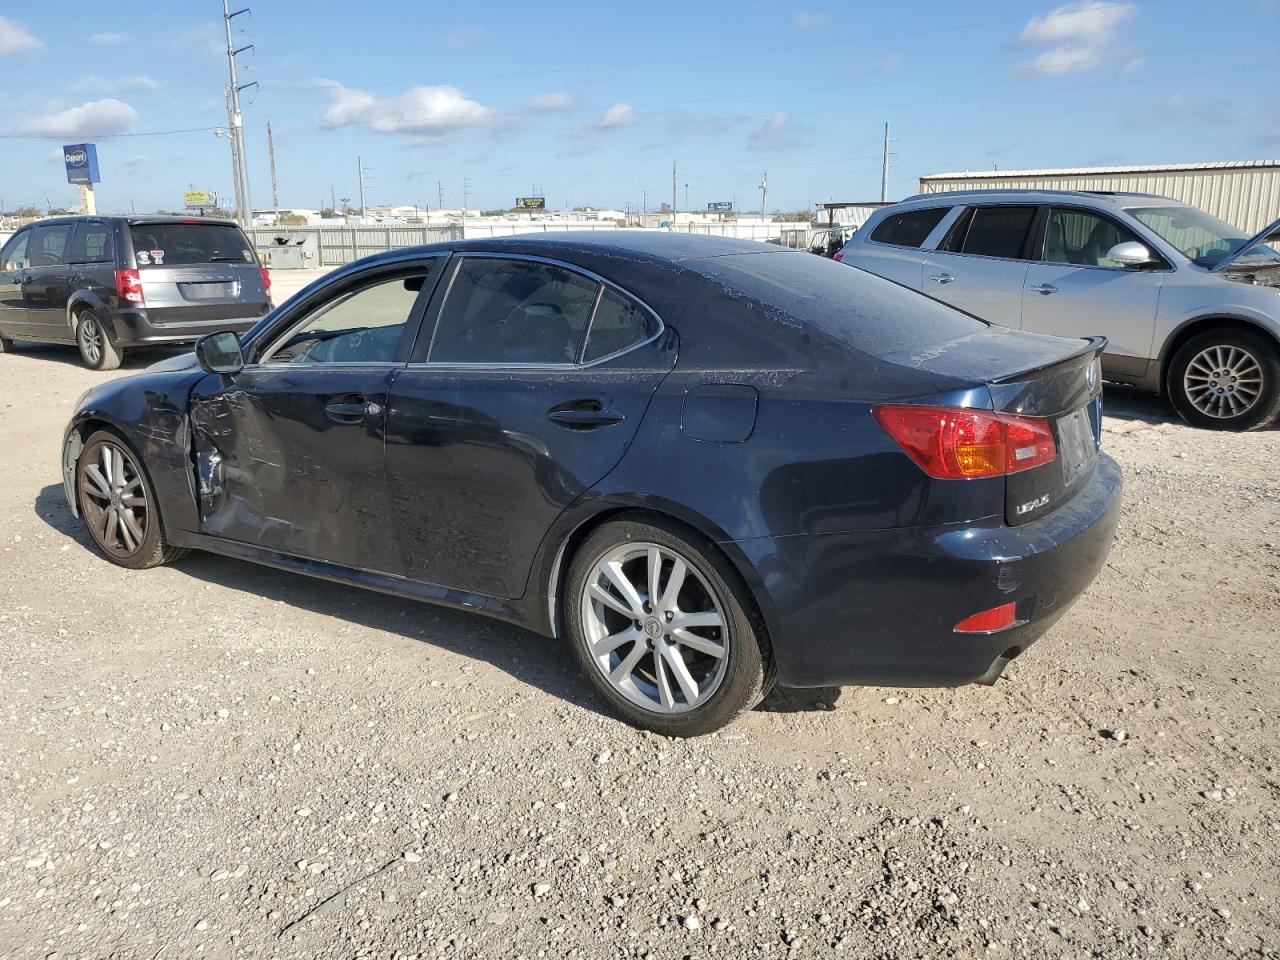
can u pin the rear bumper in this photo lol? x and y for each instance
(139, 327)
(879, 606)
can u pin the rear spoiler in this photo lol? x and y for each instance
(1092, 345)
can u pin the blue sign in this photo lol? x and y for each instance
(720, 206)
(82, 163)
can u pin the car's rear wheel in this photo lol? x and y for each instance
(96, 347)
(118, 505)
(6, 345)
(1227, 379)
(660, 623)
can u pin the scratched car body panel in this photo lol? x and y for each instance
(733, 389)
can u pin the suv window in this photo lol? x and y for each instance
(994, 231)
(182, 244)
(364, 325)
(90, 243)
(512, 311)
(14, 254)
(908, 229)
(48, 244)
(618, 323)
(1081, 237)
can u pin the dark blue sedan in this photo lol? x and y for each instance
(708, 464)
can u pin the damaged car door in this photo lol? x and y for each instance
(289, 452)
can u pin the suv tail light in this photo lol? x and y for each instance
(266, 280)
(956, 443)
(129, 285)
(838, 257)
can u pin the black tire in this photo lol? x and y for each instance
(6, 345)
(113, 540)
(1264, 407)
(746, 672)
(97, 350)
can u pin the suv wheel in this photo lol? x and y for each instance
(659, 623)
(6, 345)
(96, 348)
(1226, 379)
(118, 505)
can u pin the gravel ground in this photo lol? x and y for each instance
(224, 760)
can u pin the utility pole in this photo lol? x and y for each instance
(236, 119)
(686, 196)
(884, 167)
(360, 177)
(673, 191)
(275, 187)
(439, 195)
(229, 133)
(466, 195)
(333, 199)
(764, 193)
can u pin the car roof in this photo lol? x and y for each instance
(158, 218)
(1102, 197)
(644, 244)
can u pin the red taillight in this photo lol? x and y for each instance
(955, 443)
(997, 618)
(838, 257)
(266, 280)
(129, 285)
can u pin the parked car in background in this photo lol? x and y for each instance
(1189, 304)
(110, 283)
(708, 463)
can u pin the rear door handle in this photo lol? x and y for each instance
(583, 415)
(352, 410)
(1044, 288)
(942, 278)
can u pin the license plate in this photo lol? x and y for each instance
(210, 291)
(1076, 447)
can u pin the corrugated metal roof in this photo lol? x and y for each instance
(1104, 171)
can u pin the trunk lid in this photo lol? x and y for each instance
(1253, 253)
(197, 271)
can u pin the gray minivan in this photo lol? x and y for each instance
(110, 283)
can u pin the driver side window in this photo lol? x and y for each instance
(364, 325)
(1083, 239)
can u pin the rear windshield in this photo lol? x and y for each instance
(182, 244)
(867, 312)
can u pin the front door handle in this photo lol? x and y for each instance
(352, 410)
(583, 415)
(1044, 289)
(942, 278)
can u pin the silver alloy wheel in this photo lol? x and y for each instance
(655, 627)
(1223, 381)
(114, 501)
(90, 336)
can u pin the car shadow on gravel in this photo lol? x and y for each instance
(134, 360)
(1129, 403)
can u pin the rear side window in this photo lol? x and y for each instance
(49, 244)
(512, 311)
(908, 229)
(619, 323)
(184, 244)
(14, 254)
(992, 232)
(90, 243)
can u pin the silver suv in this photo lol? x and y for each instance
(1190, 305)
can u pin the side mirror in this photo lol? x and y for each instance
(220, 353)
(1130, 254)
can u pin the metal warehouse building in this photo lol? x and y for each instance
(1245, 193)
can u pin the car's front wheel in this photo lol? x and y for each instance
(1226, 379)
(118, 505)
(96, 347)
(660, 624)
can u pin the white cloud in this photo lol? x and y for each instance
(97, 118)
(425, 111)
(777, 133)
(1091, 22)
(15, 40)
(808, 19)
(1078, 37)
(108, 38)
(588, 134)
(97, 85)
(619, 115)
(552, 102)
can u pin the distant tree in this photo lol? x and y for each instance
(327, 213)
(802, 216)
(58, 211)
(292, 220)
(28, 211)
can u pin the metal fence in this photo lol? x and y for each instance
(336, 245)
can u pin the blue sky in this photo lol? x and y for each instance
(591, 102)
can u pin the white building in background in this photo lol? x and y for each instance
(1245, 193)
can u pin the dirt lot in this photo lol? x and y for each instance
(223, 760)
